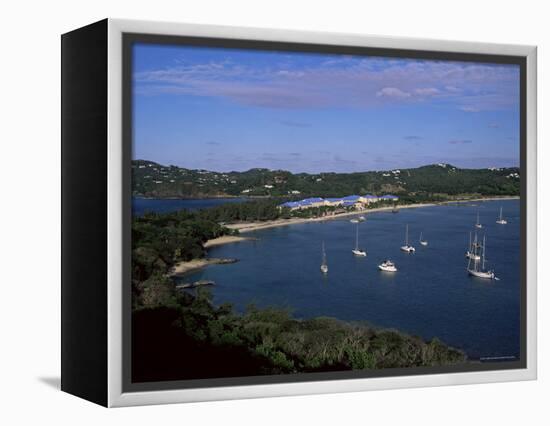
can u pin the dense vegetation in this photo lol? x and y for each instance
(158, 181)
(161, 240)
(184, 336)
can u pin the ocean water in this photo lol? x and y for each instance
(142, 205)
(431, 295)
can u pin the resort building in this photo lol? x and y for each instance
(356, 201)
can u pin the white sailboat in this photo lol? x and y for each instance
(478, 225)
(356, 251)
(423, 242)
(500, 220)
(478, 268)
(387, 266)
(472, 247)
(324, 266)
(408, 248)
(362, 218)
(354, 220)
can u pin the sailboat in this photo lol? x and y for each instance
(356, 251)
(387, 266)
(500, 220)
(472, 248)
(324, 266)
(478, 225)
(423, 242)
(408, 248)
(354, 220)
(478, 271)
(362, 218)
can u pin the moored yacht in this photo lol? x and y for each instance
(324, 266)
(387, 266)
(423, 242)
(501, 220)
(407, 247)
(478, 224)
(356, 251)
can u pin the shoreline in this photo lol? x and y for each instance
(225, 239)
(256, 226)
(182, 268)
(186, 267)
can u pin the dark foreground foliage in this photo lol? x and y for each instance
(184, 336)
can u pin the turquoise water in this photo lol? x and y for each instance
(431, 295)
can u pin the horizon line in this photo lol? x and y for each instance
(333, 172)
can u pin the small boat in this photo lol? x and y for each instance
(478, 270)
(362, 218)
(356, 251)
(478, 225)
(395, 210)
(324, 266)
(423, 242)
(472, 248)
(354, 220)
(407, 247)
(500, 220)
(387, 266)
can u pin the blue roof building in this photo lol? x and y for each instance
(313, 200)
(353, 198)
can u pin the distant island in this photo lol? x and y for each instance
(436, 181)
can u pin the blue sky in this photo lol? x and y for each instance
(230, 109)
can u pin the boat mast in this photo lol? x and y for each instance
(407, 235)
(476, 253)
(483, 255)
(501, 213)
(324, 255)
(477, 223)
(470, 243)
(357, 237)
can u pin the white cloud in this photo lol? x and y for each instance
(393, 92)
(357, 82)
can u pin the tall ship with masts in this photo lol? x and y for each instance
(472, 247)
(476, 268)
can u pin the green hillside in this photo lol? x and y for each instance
(157, 181)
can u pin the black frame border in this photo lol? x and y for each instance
(128, 41)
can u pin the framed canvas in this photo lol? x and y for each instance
(252, 213)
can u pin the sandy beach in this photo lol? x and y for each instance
(226, 239)
(182, 268)
(256, 226)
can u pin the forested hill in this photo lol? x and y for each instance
(158, 181)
